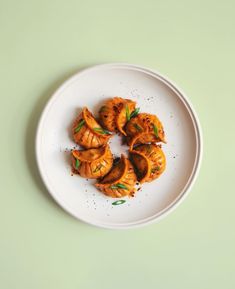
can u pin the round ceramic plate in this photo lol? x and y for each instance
(154, 94)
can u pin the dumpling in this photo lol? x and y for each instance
(87, 132)
(115, 113)
(92, 163)
(144, 128)
(149, 162)
(120, 181)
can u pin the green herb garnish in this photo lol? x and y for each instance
(97, 168)
(101, 130)
(80, 125)
(119, 186)
(119, 202)
(77, 163)
(137, 127)
(135, 112)
(153, 170)
(155, 129)
(127, 113)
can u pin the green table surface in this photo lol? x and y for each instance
(45, 42)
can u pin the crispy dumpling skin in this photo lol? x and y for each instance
(87, 132)
(120, 181)
(113, 114)
(144, 128)
(149, 162)
(141, 138)
(92, 163)
(141, 165)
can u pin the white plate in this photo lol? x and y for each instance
(154, 94)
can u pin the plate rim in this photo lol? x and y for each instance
(198, 157)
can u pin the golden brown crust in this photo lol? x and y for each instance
(144, 128)
(149, 162)
(120, 181)
(142, 132)
(141, 165)
(113, 114)
(92, 163)
(87, 132)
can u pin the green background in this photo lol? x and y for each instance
(43, 43)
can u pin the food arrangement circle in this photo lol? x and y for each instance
(139, 159)
(117, 178)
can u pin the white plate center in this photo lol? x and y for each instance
(118, 146)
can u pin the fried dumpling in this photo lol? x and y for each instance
(92, 163)
(115, 113)
(144, 128)
(149, 162)
(87, 132)
(120, 181)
